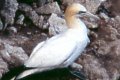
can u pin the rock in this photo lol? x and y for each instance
(10, 56)
(110, 33)
(20, 19)
(8, 12)
(115, 7)
(37, 20)
(90, 22)
(42, 2)
(12, 30)
(24, 7)
(45, 26)
(93, 68)
(68, 2)
(112, 7)
(106, 50)
(105, 9)
(1, 25)
(57, 25)
(13, 55)
(31, 14)
(102, 0)
(3, 67)
(29, 33)
(91, 5)
(49, 8)
(112, 28)
(104, 16)
(108, 54)
(91, 25)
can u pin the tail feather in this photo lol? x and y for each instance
(26, 73)
(30, 72)
(41, 74)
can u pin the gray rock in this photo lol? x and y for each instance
(1, 25)
(108, 52)
(45, 25)
(12, 29)
(104, 16)
(3, 64)
(42, 2)
(114, 6)
(37, 20)
(8, 12)
(49, 8)
(20, 19)
(3, 67)
(90, 22)
(24, 7)
(91, 5)
(102, 0)
(57, 24)
(13, 55)
(107, 48)
(10, 55)
(93, 68)
(31, 14)
(69, 2)
(91, 25)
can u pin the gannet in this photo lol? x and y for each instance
(62, 50)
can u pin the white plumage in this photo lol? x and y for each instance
(57, 49)
(60, 50)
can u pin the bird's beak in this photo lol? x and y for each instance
(92, 15)
(88, 14)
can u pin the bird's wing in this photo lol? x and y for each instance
(37, 48)
(53, 52)
(76, 53)
(40, 45)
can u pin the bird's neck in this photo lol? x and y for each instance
(72, 22)
(75, 23)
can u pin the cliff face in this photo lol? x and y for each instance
(23, 24)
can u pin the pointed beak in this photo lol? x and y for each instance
(88, 14)
(92, 15)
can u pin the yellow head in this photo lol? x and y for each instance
(74, 9)
(71, 14)
(74, 12)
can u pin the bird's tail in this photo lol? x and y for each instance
(30, 72)
(26, 73)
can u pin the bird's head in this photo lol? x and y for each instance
(74, 12)
(75, 9)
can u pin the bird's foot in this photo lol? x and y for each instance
(76, 66)
(75, 70)
(78, 74)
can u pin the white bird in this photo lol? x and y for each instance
(62, 50)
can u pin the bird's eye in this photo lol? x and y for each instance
(80, 12)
